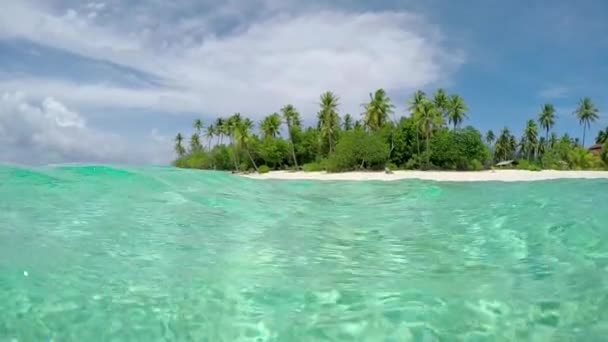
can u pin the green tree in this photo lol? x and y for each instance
(378, 110)
(552, 140)
(209, 134)
(347, 124)
(442, 101)
(195, 143)
(530, 139)
(179, 148)
(428, 118)
(456, 110)
(414, 107)
(292, 120)
(602, 136)
(270, 125)
(505, 146)
(221, 129)
(242, 137)
(586, 113)
(329, 120)
(546, 118)
(198, 126)
(490, 137)
(357, 149)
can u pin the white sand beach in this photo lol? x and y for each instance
(441, 176)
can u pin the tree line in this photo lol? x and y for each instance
(430, 137)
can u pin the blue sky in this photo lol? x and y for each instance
(113, 81)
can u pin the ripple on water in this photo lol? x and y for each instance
(160, 253)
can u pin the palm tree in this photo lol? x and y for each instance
(198, 126)
(209, 134)
(179, 148)
(414, 107)
(505, 145)
(377, 111)
(602, 136)
(542, 147)
(292, 120)
(242, 136)
(546, 118)
(586, 113)
(329, 120)
(490, 137)
(220, 129)
(230, 128)
(552, 140)
(347, 124)
(456, 110)
(427, 118)
(270, 125)
(530, 139)
(441, 101)
(195, 143)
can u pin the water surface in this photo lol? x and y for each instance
(161, 254)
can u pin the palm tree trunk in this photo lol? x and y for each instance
(428, 154)
(251, 158)
(293, 150)
(584, 131)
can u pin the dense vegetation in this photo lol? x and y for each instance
(430, 137)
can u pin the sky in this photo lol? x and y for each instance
(113, 81)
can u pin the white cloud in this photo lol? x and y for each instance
(49, 132)
(284, 56)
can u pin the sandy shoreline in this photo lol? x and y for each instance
(441, 176)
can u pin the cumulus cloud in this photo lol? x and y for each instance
(281, 55)
(49, 132)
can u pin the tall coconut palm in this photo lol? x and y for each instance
(586, 113)
(195, 143)
(490, 137)
(427, 118)
(546, 118)
(348, 123)
(414, 106)
(530, 139)
(456, 110)
(329, 120)
(292, 120)
(198, 126)
(242, 137)
(503, 149)
(602, 136)
(270, 125)
(179, 148)
(378, 110)
(230, 126)
(512, 144)
(220, 129)
(209, 134)
(441, 101)
(552, 140)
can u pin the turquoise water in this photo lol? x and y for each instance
(160, 254)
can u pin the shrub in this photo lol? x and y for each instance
(357, 149)
(456, 150)
(263, 169)
(525, 164)
(476, 165)
(312, 167)
(392, 166)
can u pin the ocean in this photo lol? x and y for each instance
(99, 253)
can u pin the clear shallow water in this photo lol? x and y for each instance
(156, 254)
